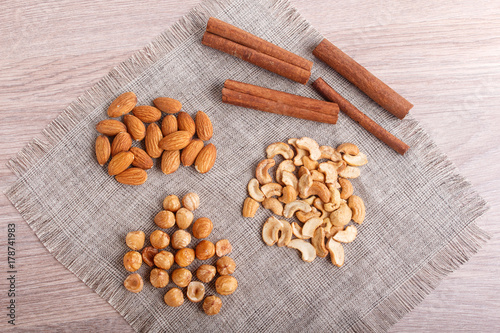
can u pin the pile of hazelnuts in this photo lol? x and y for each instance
(161, 260)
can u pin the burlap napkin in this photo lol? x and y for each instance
(420, 212)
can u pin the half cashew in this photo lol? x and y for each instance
(289, 179)
(289, 194)
(347, 235)
(318, 176)
(297, 230)
(311, 146)
(318, 242)
(270, 231)
(286, 165)
(254, 190)
(318, 204)
(273, 205)
(357, 207)
(335, 200)
(304, 217)
(330, 153)
(310, 226)
(279, 148)
(271, 189)
(292, 207)
(347, 188)
(348, 148)
(330, 172)
(305, 182)
(341, 216)
(309, 163)
(262, 171)
(350, 172)
(355, 160)
(297, 160)
(302, 171)
(286, 233)
(306, 249)
(318, 189)
(336, 252)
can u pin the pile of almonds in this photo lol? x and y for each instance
(312, 184)
(175, 134)
(161, 260)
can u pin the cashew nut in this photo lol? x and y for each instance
(302, 171)
(286, 233)
(336, 252)
(339, 165)
(350, 172)
(311, 146)
(289, 194)
(347, 188)
(250, 207)
(318, 204)
(309, 163)
(279, 148)
(335, 200)
(357, 207)
(330, 172)
(306, 249)
(270, 231)
(310, 226)
(347, 235)
(318, 189)
(310, 200)
(289, 179)
(318, 242)
(297, 160)
(341, 216)
(254, 190)
(271, 189)
(273, 205)
(292, 207)
(328, 227)
(348, 148)
(286, 165)
(330, 153)
(305, 182)
(317, 176)
(262, 171)
(355, 160)
(297, 230)
(303, 217)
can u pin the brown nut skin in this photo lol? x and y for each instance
(165, 219)
(135, 240)
(205, 250)
(191, 201)
(205, 273)
(180, 239)
(212, 305)
(132, 261)
(226, 285)
(158, 278)
(225, 266)
(159, 239)
(202, 227)
(174, 297)
(184, 218)
(184, 257)
(181, 277)
(171, 203)
(223, 247)
(133, 283)
(164, 260)
(148, 254)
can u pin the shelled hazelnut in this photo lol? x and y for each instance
(171, 203)
(158, 278)
(159, 239)
(148, 254)
(226, 285)
(191, 201)
(202, 227)
(133, 283)
(225, 266)
(135, 240)
(174, 297)
(184, 257)
(181, 277)
(180, 239)
(165, 219)
(132, 261)
(212, 305)
(205, 250)
(164, 259)
(184, 218)
(205, 273)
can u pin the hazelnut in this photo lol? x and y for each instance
(205, 249)
(171, 203)
(174, 297)
(202, 227)
(132, 261)
(226, 285)
(184, 217)
(205, 273)
(148, 254)
(135, 240)
(159, 239)
(225, 266)
(158, 278)
(212, 305)
(223, 247)
(165, 219)
(195, 291)
(164, 260)
(180, 239)
(191, 201)
(181, 277)
(133, 283)
(184, 257)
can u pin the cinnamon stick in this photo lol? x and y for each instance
(259, 103)
(367, 123)
(377, 90)
(237, 35)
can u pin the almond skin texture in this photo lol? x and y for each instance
(120, 162)
(175, 141)
(141, 158)
(123, 104)
(188, 155)
(169, 125)
(110, 127)
(102, 149)
(121, 142)
(135, 127)
(168, 105)
(146, 113)
(170, 161)
(153, 138)
(132, 176)
(204, 128)
(206, 158)
(186, 123)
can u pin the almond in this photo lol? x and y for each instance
(146, 113)
(169, 125)
(186, 123)
(168, 105)
(132, 176)
(121, 142)
(188, 155)
(110, 127)
(141, 158)
(123, 104)
(135, 127)
(206, 158)
(120, 162)
(153, 137)
(170, 161)
(175, 141)
(204, 128)
(102, 149)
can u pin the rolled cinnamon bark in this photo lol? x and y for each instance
(367, 123)
(377, 90)
(254, 102)
(237, 35)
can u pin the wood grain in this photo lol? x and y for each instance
(442, 56)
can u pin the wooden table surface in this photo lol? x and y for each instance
(443, 56)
